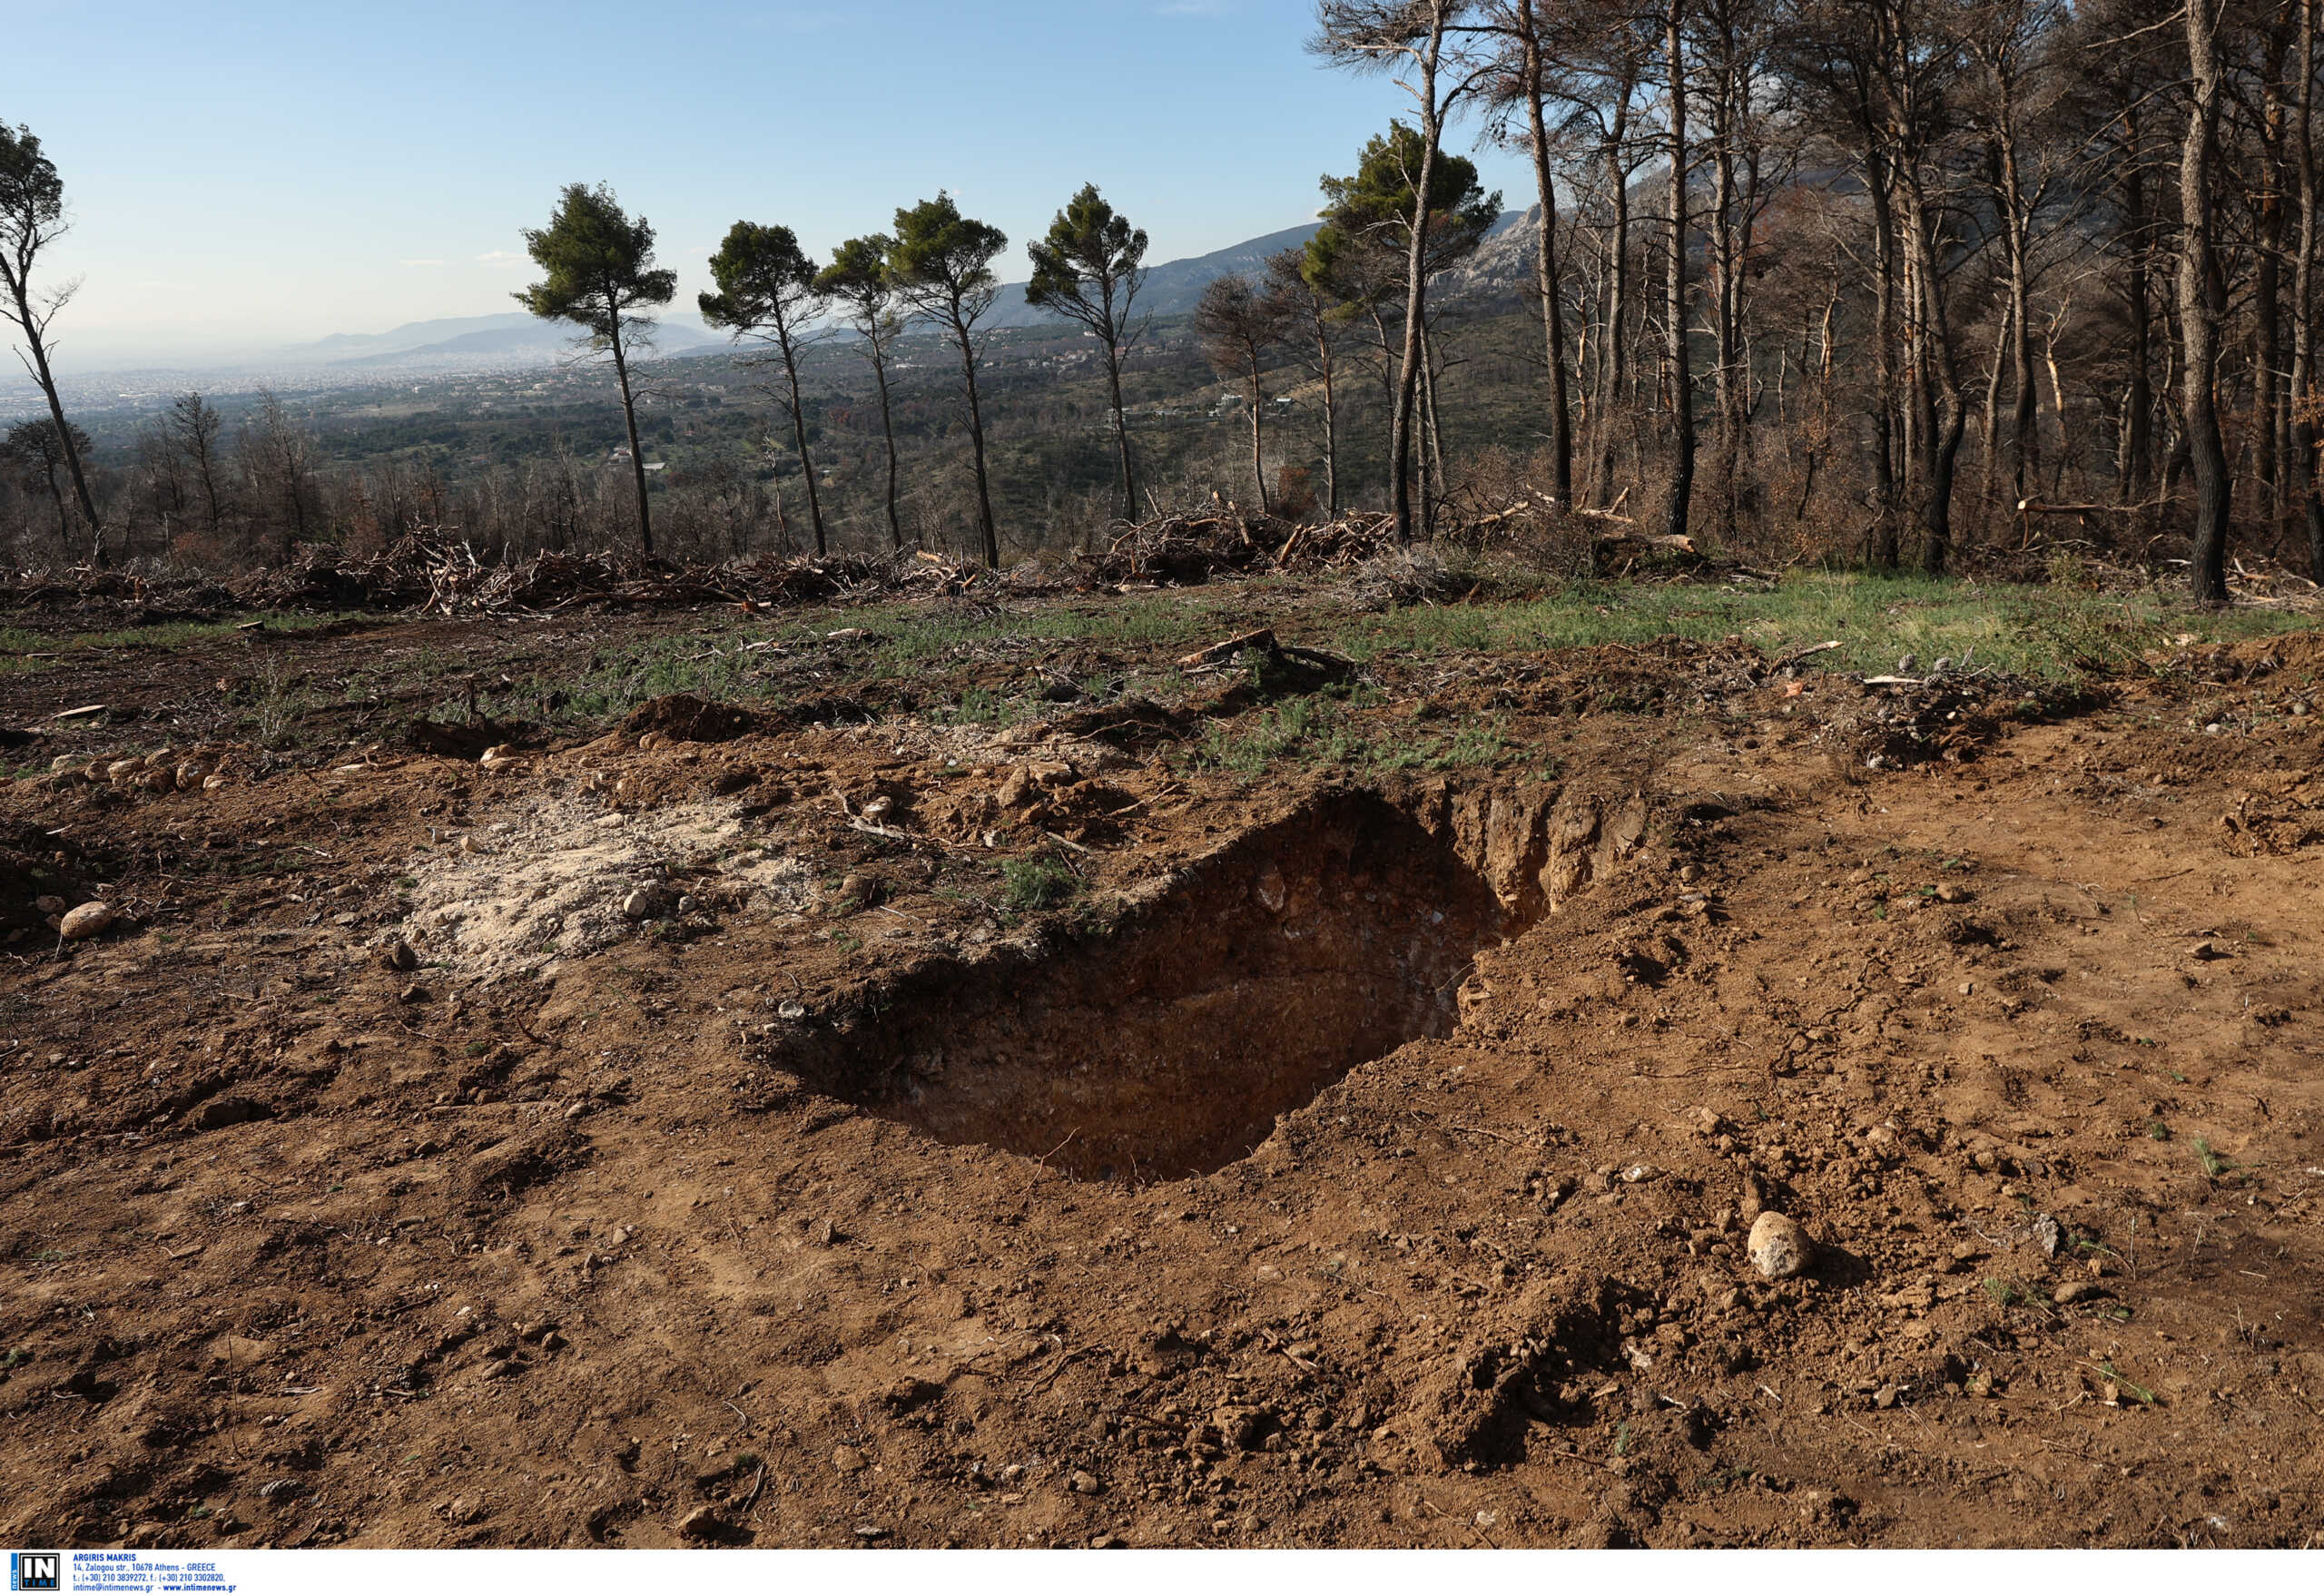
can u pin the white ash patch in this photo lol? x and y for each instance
(547, 880)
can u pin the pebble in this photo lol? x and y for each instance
(51, 904)
(1083, 1482)
(847, 1460)
(401, 957)
(88, 920)
(1778, 1247)
(2047, 1235)
(638, 905)
(2074, 1291)
(702, 1524)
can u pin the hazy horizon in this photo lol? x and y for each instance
(278, 176)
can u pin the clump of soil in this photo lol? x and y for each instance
(684, 718)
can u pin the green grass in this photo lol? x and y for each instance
(1324, 729)
(1029, 884)
(17, 643)
(2044, 632)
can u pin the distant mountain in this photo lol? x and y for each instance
(502, 341)
(1501, 264)
(1172, 287)
(411, 335)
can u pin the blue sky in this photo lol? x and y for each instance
(245, 173)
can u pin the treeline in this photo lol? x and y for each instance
(1872, 280)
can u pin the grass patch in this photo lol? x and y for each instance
(1030, 884)
(2056, 633)
(19, 644)
(1323, 729)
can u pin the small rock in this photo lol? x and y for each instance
(2074, 1291)
(1083, 1483)
(1638, 1174)
(847, 1460)
(399, 956)
(638, 905)
(51, 904)
(1778, 1247)
(1269, 890)
(499, 1369)
(2046, 1235)
(702, 1524)
(220, 1112)
(414, 993)
(870, 1532)
(88, 920)
(578, 1108)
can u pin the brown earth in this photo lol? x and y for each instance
(899, 1133)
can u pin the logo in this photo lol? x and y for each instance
(36, 1571)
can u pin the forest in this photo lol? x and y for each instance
(1868, 282)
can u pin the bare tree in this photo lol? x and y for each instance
(2201, 300)
(193, 428)
(1309, 304)
(1407, 37)
(1521, 84)
(1238, 322)
(32, 218)
(36, 451)
(278, 458)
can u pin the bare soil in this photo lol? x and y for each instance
(864, 1129)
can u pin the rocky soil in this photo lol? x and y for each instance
(1751, 1108)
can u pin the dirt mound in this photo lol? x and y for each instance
(546, 880)
(684, 718)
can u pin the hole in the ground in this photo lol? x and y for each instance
(1269, 970)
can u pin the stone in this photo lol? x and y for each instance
(51, 904)
(399, 956)
(220, 1112)
(702, 1524)
(847, 1460)
(638, 905)
(90, 920)
(2047, 1235)
(2074, 1291)
(1778, 1247)
(1082, 1483)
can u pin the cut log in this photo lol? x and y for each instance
(1220, 652)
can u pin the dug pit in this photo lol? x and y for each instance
(1254, 979)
